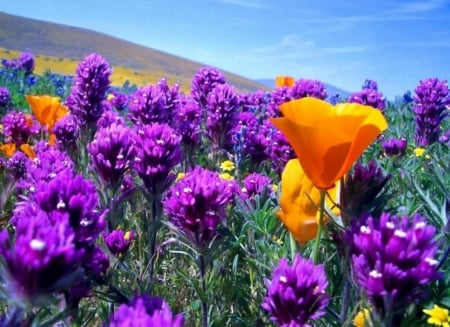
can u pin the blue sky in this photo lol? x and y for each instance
(396, 43)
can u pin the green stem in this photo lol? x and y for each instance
(293, 245)
(320, 228)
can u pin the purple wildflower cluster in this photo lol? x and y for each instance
(196, 204)
(25, 63)
(430, 108)
(303, 88)
(118, 242)
(111, 153)
(67, 131)
(203, 82)
(187, 124)
(154, 104)
(158, 151)
(18, 127)
(5, 99)
(369, 96)
(145, 311)
(296, 294)
(392, 258)
(87, 99)
(394, 147)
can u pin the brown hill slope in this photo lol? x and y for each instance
(61, 41)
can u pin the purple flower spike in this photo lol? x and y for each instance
(41, 256)
(394, 147)
(392, 258)
(118, 242)
(369, 96)
(17, 127)
(158, 151)
(196, 204)
(187, 123)
(296, 294)
(430, 102)
(145, 311)
(308, 88)
(203, 82)
(112, 151)
(25, 63)
(256, 184)
(221, 115)
(87, 99)
(67, 131)
(5, 99)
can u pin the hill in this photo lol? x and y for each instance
(66, 44)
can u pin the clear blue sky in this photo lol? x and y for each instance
(396, 43)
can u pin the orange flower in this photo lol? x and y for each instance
(8, 149)
(299, 202)
(284, 81)
(28, 150)
(47, 110)
(328, 139)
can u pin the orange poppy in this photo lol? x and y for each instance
(8, 149)
(47, 110)
(299, 202)
(28, 150)
(328, 139)
(284, 81)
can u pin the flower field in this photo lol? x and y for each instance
(151, 206)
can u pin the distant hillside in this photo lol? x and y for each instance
(331, 89)
(67, 44)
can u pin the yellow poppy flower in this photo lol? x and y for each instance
(226, 176)
(438, 316)
(47, 110)
(328, 139)
(284, 81)
(299, 202)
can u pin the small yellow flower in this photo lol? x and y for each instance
(361, 318)
(226, 176)
(127, 236)
(438, 316)
(180, 176)
(275, 188)
(418, 152)
(227, 165)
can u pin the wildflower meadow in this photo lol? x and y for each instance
(151, 206)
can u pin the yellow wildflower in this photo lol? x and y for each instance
(361, 318)
(180, 176)
(227, 165)
(226, 176)
(438, 316)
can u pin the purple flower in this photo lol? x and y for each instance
(279, 96)
(158, 151)
(363, 193)
(251, 138)
(87, 99)
(95, 262)
(394, 147)
(118, 100)
(303, 88)
(279, 149)
(154, 104)
(196, 204)
(41, 256)
(145, 311)
(73, 199)
(17, 127)
(25, 62)
(109, 117)
(370, 85)
(187, 123)
(111, 152)
(369, 97)
(256, 184)
(67, 131)
(203, 82)
(430, 101)
(297, 293)
(17, 165)
(5, 99)
(392, 258)
(445, 138)
(221, 116)
(118, 242)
